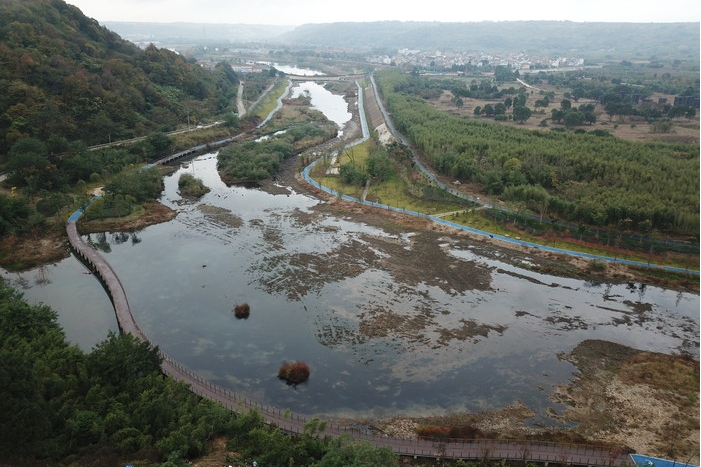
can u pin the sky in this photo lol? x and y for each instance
(297, 12)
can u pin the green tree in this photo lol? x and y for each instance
(231, 120)
(29, 158)
(557, 115)
(352, 174)
(158, 144)
(499, 109)
(522, 113)
(379, 166)
(14, 214)
(36, 363)
(573, 118)
(142, 186)
(542, 102)
(121, 360)
(361, 454)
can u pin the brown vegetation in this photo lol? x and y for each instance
(294, 373)
(242, 311)
(449, 432)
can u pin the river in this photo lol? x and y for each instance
(384, 332)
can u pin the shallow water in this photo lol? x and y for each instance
(333, 106)
(382, 337)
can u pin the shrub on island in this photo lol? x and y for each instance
(242, 311)
(294, 373)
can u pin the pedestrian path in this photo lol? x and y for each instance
(520, 450)
(527, 451)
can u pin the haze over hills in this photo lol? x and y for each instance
(558, 37)
(629, 41)
(196, 32)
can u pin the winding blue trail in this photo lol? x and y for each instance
(307, 177)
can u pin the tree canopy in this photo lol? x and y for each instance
(590, 178)
(64, 75)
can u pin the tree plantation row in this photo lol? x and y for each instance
(588, 178)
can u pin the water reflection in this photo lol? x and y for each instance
(295, 70)
(390, 323)
(333, 106)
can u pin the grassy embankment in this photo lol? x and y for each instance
(396, 192)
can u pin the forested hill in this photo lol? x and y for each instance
(558, 38)
(65, 78)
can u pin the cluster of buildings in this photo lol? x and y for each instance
(451, 60)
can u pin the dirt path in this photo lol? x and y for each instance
(241, 109)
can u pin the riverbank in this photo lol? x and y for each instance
(605, 404)
(619, 396)
(639, 401)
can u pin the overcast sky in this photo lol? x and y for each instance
(296, 12)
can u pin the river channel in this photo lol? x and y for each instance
(384, 332)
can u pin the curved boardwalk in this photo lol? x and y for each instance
(292, 423)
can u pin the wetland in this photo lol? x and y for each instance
(402, 322)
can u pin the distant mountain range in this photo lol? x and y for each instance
(196, 32)
(565, 38)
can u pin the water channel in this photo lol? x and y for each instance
(384, 333)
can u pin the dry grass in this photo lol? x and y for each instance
(647, 401)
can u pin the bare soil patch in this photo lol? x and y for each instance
(149, 214)
(19, 253)
(646, 401)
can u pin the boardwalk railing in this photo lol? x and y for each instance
(294, 423)
(529, 451)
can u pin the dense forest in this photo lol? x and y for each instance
(69, 83)
(581, 177)
(65, 79)
(113, 404)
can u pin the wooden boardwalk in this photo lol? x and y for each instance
(292, 423)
